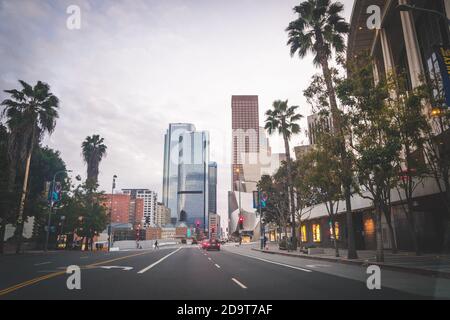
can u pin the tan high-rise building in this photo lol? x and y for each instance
(245, 143)
(162, 215)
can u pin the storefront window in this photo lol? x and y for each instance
(316, 232)
(336, 229)
(303, 232)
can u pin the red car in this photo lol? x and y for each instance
(205, 244)
(213, 245)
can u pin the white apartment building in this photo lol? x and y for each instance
(150, 203)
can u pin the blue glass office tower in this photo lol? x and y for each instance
(171, 161)
(212, 187)
(193, 178)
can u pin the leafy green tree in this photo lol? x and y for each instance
(377, 144)
(4, 195)
(93, 150)
(45, 163)
(277, 205)
(283, 119)
(322, 178)
(320, 29)
(85, 214)
(30, 112)
(410, 124)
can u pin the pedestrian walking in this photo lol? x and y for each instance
(156, 244)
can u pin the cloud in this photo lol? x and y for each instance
(135, 66)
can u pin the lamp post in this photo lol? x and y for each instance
(110, 213)
(52, 202)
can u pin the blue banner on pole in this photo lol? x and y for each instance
(443, 54)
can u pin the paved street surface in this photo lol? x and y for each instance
(188, 272)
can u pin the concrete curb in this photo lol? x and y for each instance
(387, 266)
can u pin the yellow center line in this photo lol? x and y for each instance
(54, 274)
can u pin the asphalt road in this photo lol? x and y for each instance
(180, 273)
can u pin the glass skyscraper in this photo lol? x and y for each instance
(193, 178)
(171, 160)
(186, 174)
(212, 181)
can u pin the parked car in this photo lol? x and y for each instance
(183, 241)
(194, 241)
(213, 245)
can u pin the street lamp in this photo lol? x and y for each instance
(407, 7)
(52, 202)
(110, 212)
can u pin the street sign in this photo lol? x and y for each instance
(257, 201)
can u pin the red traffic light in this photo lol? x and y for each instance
(241, 219)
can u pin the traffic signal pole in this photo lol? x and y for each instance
(52, 203)
(262, 232)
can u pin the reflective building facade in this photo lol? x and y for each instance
(171, 161)
(193, 180)
(212, 181)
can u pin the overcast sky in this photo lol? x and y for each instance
(137, 65)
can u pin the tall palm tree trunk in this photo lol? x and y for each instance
(291, 191)
(346, 166)
(20, 219)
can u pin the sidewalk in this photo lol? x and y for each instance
(427, 264)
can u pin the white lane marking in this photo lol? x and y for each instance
(239, 283)
(273, 262)
(317, 265)
(218, 267)
(116, 267)
(209, 259)
(84, 257)
(42, 263)
(160, 260)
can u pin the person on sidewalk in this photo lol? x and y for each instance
(156, 244)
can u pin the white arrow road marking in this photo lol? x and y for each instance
(239, 283)
(116, 267)
(160, 260)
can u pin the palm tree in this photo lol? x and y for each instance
(93, 151)
(320, 29)
(30, 113)
(282, 119)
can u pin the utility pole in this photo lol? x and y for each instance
(110, 213)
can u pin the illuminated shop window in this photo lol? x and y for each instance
(336, 228)
(316, 232)
(304, 239)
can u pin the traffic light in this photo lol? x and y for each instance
(241, 222)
